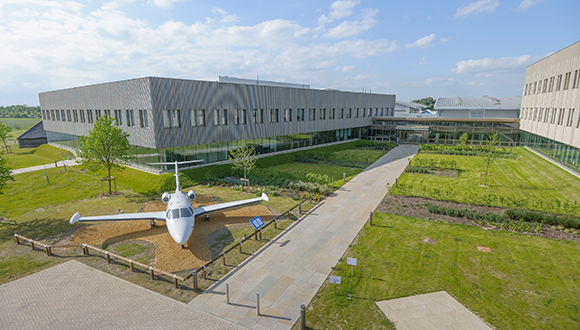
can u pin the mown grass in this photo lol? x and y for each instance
(525, 282)
(334, 172)
(529, 179)
(44, 154)
(19, 126)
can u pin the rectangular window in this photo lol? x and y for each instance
(341, 113)
(567, 80)
(141, 121)
(90, 116)
(75, 116)
(545, 86)
(108, 113)
(578, 122)
(577, 79)
(311, 114)
(287, 115)
(118, 117)
(216, 117)
(560, 117)
(62, 115)
(322, 114)
(166, 118)
(240, 116)
(68, 116)
(274, 115)
(356, 111)
(224, 117)
(258, 116)
(546, 115)
(57, 115)
(570, 117)
(131, 122)
(349, 113)
(201, 117)
(558, 82)
(299, 114)
(193, 117)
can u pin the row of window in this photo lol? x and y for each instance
(172, 118)
(90, 116)
(554, 84)
(552, 116)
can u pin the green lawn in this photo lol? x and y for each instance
(360, 154)
(526, 282)
(335, 172)
(20, 125)
(26, 157)
(528, 181)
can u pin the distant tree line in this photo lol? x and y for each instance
(427, 101)
(19, 111)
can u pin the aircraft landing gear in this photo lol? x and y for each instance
(152, 223)
(183, 246)
(206, 217)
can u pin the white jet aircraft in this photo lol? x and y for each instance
(179, 215)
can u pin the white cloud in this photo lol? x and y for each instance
(351, 28)
(226, 17)
(338, 10)
(164, 3)
(423, 42)
(527, 4)
(476, 7)
(361, 76)
(345, 68)
(494, 64)
(422, 62)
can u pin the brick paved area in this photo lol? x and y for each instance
(75, 296)
(290, 269)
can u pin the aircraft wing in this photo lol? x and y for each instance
(120, 217)
(216, 207)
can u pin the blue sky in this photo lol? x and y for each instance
(412, 49)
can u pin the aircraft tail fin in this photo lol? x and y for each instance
(176, 163)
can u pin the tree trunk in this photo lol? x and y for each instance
(109, 170)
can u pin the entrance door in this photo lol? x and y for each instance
(410, 137)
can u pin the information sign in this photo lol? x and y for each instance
(351, 261)
(257, 222)
(334, 279)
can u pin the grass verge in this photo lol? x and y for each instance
(525, 280)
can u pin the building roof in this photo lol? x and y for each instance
(410, 105)
(485, 102)
(36, 132)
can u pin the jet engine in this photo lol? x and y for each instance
(191, 195)
(165, 197)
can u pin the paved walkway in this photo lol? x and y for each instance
(434, 311)
(75, 296)
(290, 269)
(68, 162)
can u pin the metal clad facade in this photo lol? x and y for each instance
(157, 95)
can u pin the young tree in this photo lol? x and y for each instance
(106, 146)
(4, 172)
(490, 153)
(463, 139)
(243, 157)
(5, 135)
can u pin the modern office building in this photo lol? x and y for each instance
(478, 107)
(176, 119)
(551, 106)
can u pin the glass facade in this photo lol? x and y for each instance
(216, 152)
(562, 153)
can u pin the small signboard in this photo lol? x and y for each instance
(334, 279)
(351, 261)
(257, 222)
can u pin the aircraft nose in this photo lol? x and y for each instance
(180, 230)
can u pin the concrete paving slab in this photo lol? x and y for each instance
(436, 310)
(75, 296)
(306, 253)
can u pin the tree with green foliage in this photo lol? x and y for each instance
(429, 102)
(490, 153)
(243, 157)
(5, 135)
(5, 171)
(463, 139)
(106, 146)
(19, 111)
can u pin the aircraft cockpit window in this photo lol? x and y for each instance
(168, 216)
(175, 213)
(186, 213)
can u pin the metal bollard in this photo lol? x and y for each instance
(344, 177)
(203, 273)
(300, 208)
(175, 282)
(224, 259)
(227, 293)
(151, 272)
(302, 317)
(371, 219)
(109, 257)
(131, 265)
(396, 182)
(240, 247)
(194, 276)
(257, 304)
